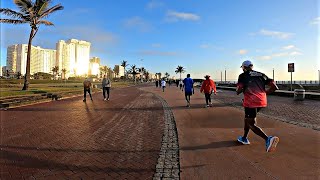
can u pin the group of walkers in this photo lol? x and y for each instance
(106, 85)
(252, 84)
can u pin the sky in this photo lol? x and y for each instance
(205, 37)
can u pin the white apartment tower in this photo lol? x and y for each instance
(42, 60)
(73, 55)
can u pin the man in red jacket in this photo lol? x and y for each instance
(207, 87)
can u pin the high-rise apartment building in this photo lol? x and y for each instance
(73, 55)
(12, 54)
(119, 71)
(94, 66)
(42, 60)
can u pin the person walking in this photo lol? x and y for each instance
(252, 84)
(181, 84)
(157, 83)
(188, 88)
(208, 86)
(86, 88)
(106, 85)
(163, 84)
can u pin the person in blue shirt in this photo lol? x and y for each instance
(188, 88)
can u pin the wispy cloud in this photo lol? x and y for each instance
(315, 21)
(174, 16)
(242, 51)
(274, 34)
(157, 53)
(137, 23)
(280, 54)
(156, 45)
(205, 46)
(288, 47)
(154, 4)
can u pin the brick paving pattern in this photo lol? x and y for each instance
(168, 165)
(69, 139)
(304, 113)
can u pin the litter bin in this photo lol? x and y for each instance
(299, 94)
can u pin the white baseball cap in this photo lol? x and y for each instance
(246, 63)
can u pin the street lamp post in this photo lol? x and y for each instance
(273, 73)
(225, 76)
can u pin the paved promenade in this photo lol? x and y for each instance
(208, 147)
(69, 139)
(133, 137)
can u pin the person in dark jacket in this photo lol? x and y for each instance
(106, 85)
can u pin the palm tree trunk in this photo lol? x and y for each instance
(180, 75)
(27, 76)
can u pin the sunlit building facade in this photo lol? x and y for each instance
(94, 66)
(73, 55)
(41, 60)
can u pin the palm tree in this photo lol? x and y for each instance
(104, 69)
(64, 73)
(34, 14)
(55, 70)
(124, 64)
(167, 75)
(180, 70)
(134, 72)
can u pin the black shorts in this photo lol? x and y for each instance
(251, 112)
(188, 93)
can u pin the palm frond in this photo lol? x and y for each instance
(24, 5)
(13, 21)
(11, 13)
(51, 10)
(47, 23)
(41, 6)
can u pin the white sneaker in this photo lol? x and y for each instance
(104, 99)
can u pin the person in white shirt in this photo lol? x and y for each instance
(163, 84)
(181, 84)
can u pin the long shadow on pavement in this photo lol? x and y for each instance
(213, 145)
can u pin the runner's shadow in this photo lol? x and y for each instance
(213, 145)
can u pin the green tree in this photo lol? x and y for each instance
(180, 70)
(167, 75)
(33, 13)
(63, 73)
(124, 64)
(104, 69)
(134, 72)
(55, 71)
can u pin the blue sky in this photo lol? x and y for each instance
(206, 37)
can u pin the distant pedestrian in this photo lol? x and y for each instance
(188, 88)
(157, 83)
(163, 84)
(106, 85)
(86, 88)
(169, 82)
(181, 84)
(208, 86)
(252, 84)
(177, 83)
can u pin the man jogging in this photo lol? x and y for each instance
(207, 87)
(86, 88)
(188, 88)
(106, 85)
(163, 84)
(252, 84)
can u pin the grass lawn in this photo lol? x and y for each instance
(11, 88)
